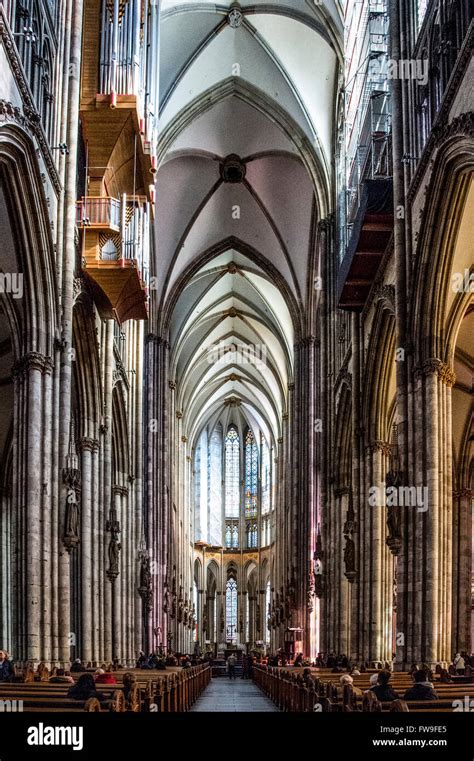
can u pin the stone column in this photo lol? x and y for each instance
(33, 422)
(429, 601)
(108, 499)
(87, 446)
(462, 572)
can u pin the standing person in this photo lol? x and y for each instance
(231, 661)
(250, 661)
(459, 664)
(7, 670)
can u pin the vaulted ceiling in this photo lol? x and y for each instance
(235, 237)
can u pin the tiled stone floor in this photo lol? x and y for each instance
(233, 695)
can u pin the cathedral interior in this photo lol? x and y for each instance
(236, 329)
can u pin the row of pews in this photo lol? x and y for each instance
(170, 691)
(287, 689)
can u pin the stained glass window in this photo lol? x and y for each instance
(252, 534)
(231, 610)
(268, 602)
(231, 534)
(232, 447)
(422, 6)
(265, 532)
(265, 479)
(215, 487)
(251, 475)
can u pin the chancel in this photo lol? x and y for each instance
(236, 355)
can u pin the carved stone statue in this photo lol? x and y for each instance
(394, 538)
(186, 611)
(166, 598)
(145, 589)
(71, 534)
(349, 555)
(114, 553)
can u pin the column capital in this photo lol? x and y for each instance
(457, 493)
(86, 444)
(435, 366)
(379, 446)
(121, 491)
(33, 360)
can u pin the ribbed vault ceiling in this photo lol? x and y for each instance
(234, 258)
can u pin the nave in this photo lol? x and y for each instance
(233, 695)
(236, 343)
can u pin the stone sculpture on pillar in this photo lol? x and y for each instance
(72, 479)
(180, 605)
(166, 597)
(113, 526)
(318, 566)
(145, 589)
(393, 478)
(349, 548)
(185, 610)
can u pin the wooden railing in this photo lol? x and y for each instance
(288, 690)
(176, 692)
(173, 690)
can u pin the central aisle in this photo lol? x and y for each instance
(233, 695)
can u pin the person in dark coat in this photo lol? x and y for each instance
(7, 669)
(422, 688)
(383, 689)
(85, 689)
(77, 667)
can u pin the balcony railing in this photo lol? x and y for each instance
(130, 218)
(98, 212)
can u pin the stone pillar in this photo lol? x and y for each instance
(33, 421)
(424, 577)
(462, 573)
(87, 446)
(108, 368)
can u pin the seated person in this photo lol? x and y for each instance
(383, 690)
(128, 680)
(61, 677)
(104, 677)
(77, 666)
(347, 679)
(422, 688)
(85, 689)
(7, 669)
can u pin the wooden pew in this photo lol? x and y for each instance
(175, 689)
(286, 688)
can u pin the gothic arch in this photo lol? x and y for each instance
(28, 214)
(446, 198)
(379, 385)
